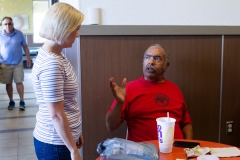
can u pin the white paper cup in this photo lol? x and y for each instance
(165, 148)
(165, 131)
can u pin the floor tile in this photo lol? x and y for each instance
(26, 150)
(25, 141)
(9, 124)
(31, 119)
(8, 151)
(27, 157)
(16, 112)
(9, 158)
(27, 122)
(11, 135)
(9, 142)
(9, 113)
(24, 134)
(29, 111)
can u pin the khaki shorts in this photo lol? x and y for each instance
(11, 72)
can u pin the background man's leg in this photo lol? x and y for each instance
(9, 89)
(20, 89)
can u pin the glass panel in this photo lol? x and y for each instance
(40, 8)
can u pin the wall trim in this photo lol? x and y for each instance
(158, 30)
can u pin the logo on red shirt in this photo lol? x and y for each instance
(161, 100)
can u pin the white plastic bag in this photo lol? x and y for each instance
(122, 149)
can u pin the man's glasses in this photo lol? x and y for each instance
(9, 24)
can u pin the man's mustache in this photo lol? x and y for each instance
(150, 67)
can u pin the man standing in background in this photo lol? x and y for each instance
(11, 43)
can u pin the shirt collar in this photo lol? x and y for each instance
(14, 31)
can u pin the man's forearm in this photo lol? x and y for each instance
(26, 50)
(187, 132)
(113, 118)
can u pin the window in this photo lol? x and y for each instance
(40, 8)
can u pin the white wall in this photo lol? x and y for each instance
(164, 12)
(74, 3)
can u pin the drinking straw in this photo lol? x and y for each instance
(168, 116)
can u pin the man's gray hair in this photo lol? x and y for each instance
(6, 17)
(167, 55)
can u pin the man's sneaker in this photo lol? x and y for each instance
(22, 105)
(11, 105)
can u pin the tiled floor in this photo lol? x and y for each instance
(16, 127)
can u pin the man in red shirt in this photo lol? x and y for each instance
(141, 101)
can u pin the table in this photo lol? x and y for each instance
(178, 152)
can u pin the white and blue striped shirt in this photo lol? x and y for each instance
(54, 80)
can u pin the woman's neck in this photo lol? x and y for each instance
(53, 47)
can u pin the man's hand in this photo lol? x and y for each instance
(26, 50)
(29, 63)
(118, 92)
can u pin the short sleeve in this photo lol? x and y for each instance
(23, 43)
(185, 117)
(52, 83)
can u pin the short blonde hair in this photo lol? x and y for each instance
(60, 20)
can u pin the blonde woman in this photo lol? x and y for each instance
(57, 134)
